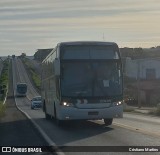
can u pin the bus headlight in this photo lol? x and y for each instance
(117, 103)
(67, 104)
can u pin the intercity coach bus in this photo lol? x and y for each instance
(21, 89)
(83, 81)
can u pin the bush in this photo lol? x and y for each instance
(4, 79)
(127, 108)
(156, 111)
(36, 79)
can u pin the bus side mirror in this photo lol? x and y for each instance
(57, 67)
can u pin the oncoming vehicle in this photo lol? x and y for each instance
(83, 81)
(36, 102)
(21, 89)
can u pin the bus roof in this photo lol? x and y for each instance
(81, 43)
(20, 83)
(87, 43)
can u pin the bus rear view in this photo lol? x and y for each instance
(21, 89)
(89, 83)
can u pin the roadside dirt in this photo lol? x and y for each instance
(37, 70)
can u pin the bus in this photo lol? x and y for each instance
(83, 81)
(21, 89)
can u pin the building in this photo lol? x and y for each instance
(41, 54)
(146, 73)
(146, 69)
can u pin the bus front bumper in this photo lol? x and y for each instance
(72, 113)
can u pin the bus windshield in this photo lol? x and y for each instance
(91, 79)
(22, 88)
(89, 52)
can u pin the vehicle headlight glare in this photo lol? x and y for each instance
(66, 104)
(117, 103)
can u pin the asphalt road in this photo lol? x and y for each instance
(129, 131)
(15, 128)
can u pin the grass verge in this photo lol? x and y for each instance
(4, 85)
(155, 112)
(36, 79)
(127, 108)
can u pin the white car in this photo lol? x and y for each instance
(36, 102)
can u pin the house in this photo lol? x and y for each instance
(41, 54)
(146, 73)
(146, 69)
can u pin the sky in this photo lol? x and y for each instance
(28, 25)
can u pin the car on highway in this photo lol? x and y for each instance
(36, 102)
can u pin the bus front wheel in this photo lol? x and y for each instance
(58, 122)
(47, 116)
(108, 121)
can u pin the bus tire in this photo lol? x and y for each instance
(58, 122)
(43, 106)
(47, 116)
(54, 112)
(108, 121)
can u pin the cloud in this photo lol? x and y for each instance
(32, 24)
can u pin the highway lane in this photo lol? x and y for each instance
(87, 133)
(24, 78)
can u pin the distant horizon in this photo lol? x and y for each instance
(51, 48)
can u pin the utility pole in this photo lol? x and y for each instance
(138, 84)
(103, 37)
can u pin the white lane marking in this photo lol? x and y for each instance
(5, 96)
(48, 140)
(28, 98)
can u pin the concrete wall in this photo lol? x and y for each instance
(131, 67)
